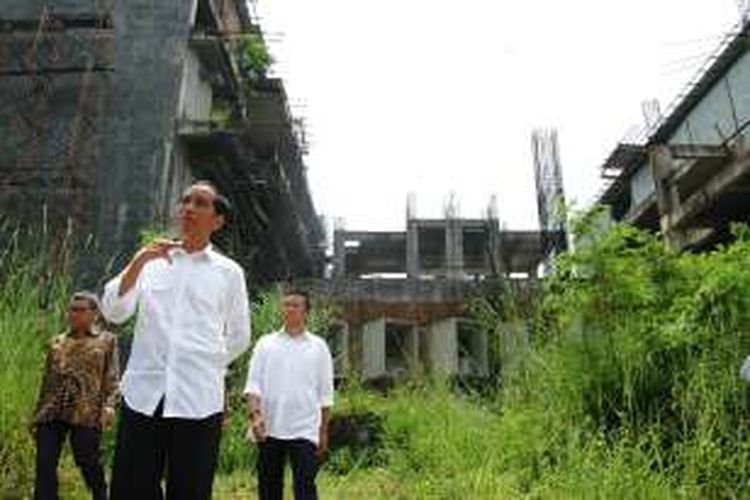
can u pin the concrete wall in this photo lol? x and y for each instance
(101, 143)
(713, 118)
(179, 176)
(149, 67)
(32, 9)
(50, 146)
(195, 93)
(641, 185)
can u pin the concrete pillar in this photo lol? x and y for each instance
(495, 244)
(373, 349)
(454, 248)
(667, 197)
(339, 255)
(339, 345)
(443, 347)
(413, 347)
(412, 249)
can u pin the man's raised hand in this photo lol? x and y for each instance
(157, 249)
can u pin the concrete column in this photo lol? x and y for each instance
(412, 249)
(454, 248)
(339, 255)
(373, 349)
(443, 347)
(339, 344)
(413, 348)
(495, 257)
(667, 198)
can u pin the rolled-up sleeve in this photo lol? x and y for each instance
(325, 378)
(115, 308)
(238, 319)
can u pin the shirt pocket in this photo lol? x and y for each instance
(157, 299)
(204, 297)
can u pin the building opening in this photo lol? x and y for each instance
(399, 348)
(472, 349)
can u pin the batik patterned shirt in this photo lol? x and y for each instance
(80, 379)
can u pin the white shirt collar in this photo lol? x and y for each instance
(206, 252)
(305, 335)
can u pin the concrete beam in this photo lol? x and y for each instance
(684, 238)
(641, 209)
(700, 200)
(698, 151)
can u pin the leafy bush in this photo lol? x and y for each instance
(637, 345)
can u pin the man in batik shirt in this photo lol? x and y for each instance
(77, 398)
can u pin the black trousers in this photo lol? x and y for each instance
(271, 460)
(149, 448)
(84, 441)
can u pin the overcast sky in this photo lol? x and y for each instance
(434, 96)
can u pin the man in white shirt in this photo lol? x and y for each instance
(290, 394)
(192, 321)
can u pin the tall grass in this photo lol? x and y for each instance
(635, 364)
(33, 287)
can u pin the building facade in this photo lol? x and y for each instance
(688, 175)
(110, 109)
(403, 296)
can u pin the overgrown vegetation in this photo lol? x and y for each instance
(634, 366)
(254, 59)
(31, 291)
(628, 387)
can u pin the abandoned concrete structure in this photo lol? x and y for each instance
(403, 294)
(688, 174)
(108, 109)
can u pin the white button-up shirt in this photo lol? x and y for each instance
(192, 321)
(293, 377)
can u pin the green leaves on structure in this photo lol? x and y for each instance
(254, 58)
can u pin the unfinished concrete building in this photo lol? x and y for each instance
(688, 174)
(109, 109)
(403, 294)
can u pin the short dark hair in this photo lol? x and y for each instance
(222, 205)
(90, 297)
(300, 292)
